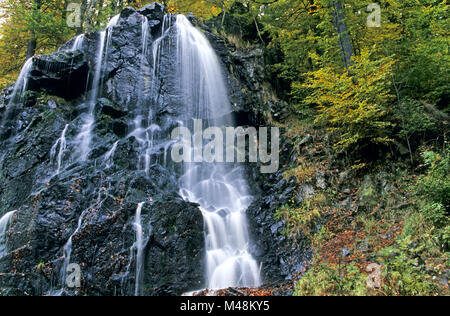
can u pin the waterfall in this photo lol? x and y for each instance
(4, 224)
(146, 139)
(77, 44)
(113, 22)
(221, 190)
(19, 89)
(109, 157)
(67, 251)
(61, 142)
(22, 83)
(146, 136)
(139, 246)
(157, 45)
(84, 137)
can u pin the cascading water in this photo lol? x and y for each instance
(157, 45)
(109, 157)
(4, 224)
(85, 136)
(220, 190)
(19, 88)
(113, 22)
(77, 44)
(139, 246)
(61, 143)
(22, 83)
(68, 249)
(146, 136)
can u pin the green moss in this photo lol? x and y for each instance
(44, 98)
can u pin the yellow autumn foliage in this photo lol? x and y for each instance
(352, 104)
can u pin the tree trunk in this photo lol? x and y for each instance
(90, 12)
(402, 113)
(80, 29)
(345, 42)
(32, 42)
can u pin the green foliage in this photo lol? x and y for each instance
(327, 279)
(411, 116)
(403, 274)
(303, 218)
(434, 187)
(22, 21)
(403, 271)
(304, 53)
(304, 173)
(203, 9)
(354, 103)
(45, 98)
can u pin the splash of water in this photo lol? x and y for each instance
(221, 190)
(4, 224)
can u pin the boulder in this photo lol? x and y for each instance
(153, 11)
(63, 74)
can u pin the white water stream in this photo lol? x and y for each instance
(139, 246)
(60, 144)
(4, 224)
(220, 189)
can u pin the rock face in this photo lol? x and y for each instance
(92, 203)
(63, 74)
(282, 258)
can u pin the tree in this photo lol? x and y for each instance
(354, 104)
(29, 27)
(31, 50)
(342, 32)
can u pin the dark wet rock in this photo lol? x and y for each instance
(110, 109)
(63, 74)
(104, 199)
(176, 249)
(282, 258)
(153, 11)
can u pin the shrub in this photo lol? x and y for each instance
(326, 279)
(303, 218)
(354, 105)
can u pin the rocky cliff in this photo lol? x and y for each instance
(59, 198)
